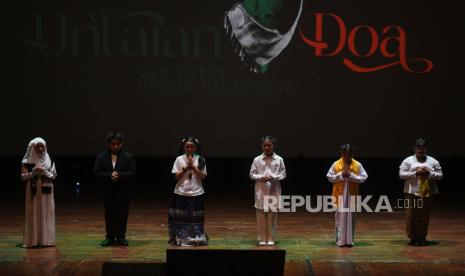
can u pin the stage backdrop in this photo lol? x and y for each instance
(377, 74)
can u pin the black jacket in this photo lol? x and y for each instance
(126, 168)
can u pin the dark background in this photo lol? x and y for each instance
(73, 98)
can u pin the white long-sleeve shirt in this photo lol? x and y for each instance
(263, 166)
(407, 172)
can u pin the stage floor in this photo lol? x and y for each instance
(308, 239)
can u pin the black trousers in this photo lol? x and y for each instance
(116, 217)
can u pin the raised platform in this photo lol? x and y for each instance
(307, 238)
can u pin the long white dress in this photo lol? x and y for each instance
(39, 226)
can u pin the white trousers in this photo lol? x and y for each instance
(345, 220)
(267, 223)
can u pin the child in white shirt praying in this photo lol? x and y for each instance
(267, 171)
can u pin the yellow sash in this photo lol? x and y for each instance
(338, 187)
(424, 188)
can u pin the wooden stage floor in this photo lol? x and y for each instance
(308, 239)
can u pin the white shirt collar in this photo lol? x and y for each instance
(266, 156)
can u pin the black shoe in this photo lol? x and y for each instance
(414, 243)
(423, 242)
(122, 242)
(107, 242)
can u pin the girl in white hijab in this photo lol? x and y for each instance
(38, 171)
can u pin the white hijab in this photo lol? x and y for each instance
(31, 156)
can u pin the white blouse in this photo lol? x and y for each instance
(268, 166)
(263, 166)
(189, 184)
(407, 172)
